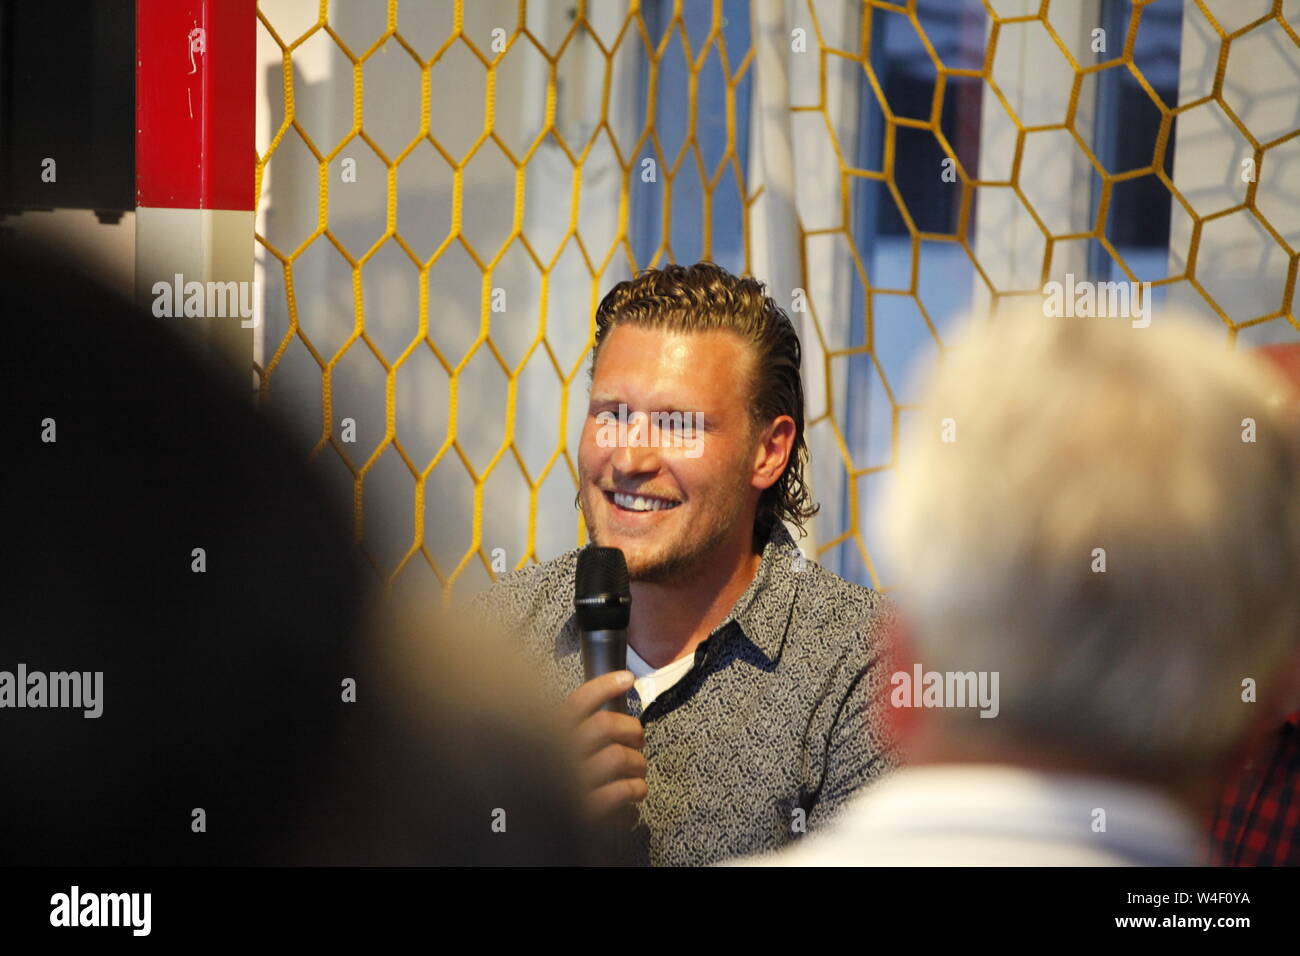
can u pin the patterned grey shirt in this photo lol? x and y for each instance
(777, 723)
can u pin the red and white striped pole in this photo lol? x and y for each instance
(195, 165)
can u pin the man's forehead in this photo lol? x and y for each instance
(666, 364)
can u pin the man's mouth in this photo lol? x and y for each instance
(640, 503)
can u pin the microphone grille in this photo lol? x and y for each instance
(602, 592)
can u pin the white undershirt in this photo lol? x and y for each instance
(650, 683)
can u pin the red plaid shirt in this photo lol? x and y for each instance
(1257, 822)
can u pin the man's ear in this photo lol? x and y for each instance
(775, 446)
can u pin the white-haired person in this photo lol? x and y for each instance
(1094, 530)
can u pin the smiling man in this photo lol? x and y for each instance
(755, 684)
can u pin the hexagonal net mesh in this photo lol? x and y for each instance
(425, 143)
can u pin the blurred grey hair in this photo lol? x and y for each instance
(1080, 434)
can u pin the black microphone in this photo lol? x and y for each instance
(603, 599)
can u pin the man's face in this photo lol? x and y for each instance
(699, 492)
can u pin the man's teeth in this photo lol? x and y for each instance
(637, 503)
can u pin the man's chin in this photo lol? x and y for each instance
(639, 561)
(658, 572)
(645, 561)
(643, 564)
(662, 568)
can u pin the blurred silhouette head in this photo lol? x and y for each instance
(163, 533)
(1106, 517)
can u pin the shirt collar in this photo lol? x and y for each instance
(763, 611)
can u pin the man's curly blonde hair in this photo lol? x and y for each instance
(705, 298)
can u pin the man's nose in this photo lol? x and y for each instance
(638, 455)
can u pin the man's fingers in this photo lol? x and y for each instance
(587, 699)
(614, 762)
(619, 793)
(605, 726)
(612, 769)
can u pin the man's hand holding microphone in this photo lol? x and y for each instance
(612, 768)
